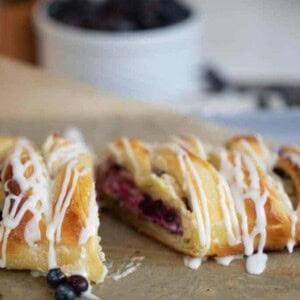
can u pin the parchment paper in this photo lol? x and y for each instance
(162, 274)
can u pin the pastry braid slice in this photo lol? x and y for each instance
(266, 217)
(171, 195)
(25, 210)
(49, 214)
(72, 230)
(265, 212)
(287, 168)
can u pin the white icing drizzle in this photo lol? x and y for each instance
(62, 153)
(195, 191)
(170, 187)
(265, 160)
(37, 202)
(292, 214)
(185, 144)
(256, 263)
(130, 154)
(74, 134)
(37, 274)
(53, 232)
(115, 151)
(70, 153)
(89, 295)
(92, 222)
(192, 262)
(131, 267)
(226, 260)
(235, 176)
(293, 157)
(251, 152)
(229, 212)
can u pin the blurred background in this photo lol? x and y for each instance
(235, 62)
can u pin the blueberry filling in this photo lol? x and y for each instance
(117, 184)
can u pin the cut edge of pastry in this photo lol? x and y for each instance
(268, 216)
(156, 163)
(55, 223)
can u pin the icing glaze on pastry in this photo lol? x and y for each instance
(195, 191)
(192, 144)
(192, 262)
(93, 222)
(292, 214)
(54, 227)
(26, 190)
(229, 212)
(294, 158)
(226, 260)
(241, 191)
(228, 201)
(56, 155)
(44, 194)
(131, 155)
(134, 263)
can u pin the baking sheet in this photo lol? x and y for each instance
(162, 274)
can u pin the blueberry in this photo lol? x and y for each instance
(150, 207)
(65, 292)
(169, 216)
(55, 277)
(173, 12)
(148, 13)
(116, 22)
(124, 6)
(78, 283)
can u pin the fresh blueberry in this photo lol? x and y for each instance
(169, 216)
(78, 283)
(55, 277)
(65, 292)
(127, 7)
(116, 22)
(148, 13)
(173, 12)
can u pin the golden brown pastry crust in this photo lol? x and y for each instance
(288, 168)
(158, 173)
(278, 224)
(253, 146)
(71, 255)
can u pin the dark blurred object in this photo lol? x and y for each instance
(118, 15)
(16, 33)
(216, 82)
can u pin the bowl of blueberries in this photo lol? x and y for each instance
(143, 49)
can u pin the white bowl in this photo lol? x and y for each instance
(154, 65)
